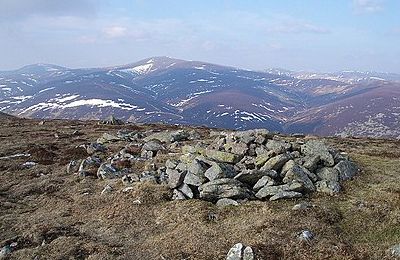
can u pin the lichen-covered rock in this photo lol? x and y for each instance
(318, 148)
(220, 156)
(235, 253)
(236, 148)
(264, 181)
(263, 157)
(224, 188)
(278, 146)
(186, 190)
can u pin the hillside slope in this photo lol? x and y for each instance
(48, 213)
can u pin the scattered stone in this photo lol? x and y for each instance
(263, 156)
(89, 166)
(226, 202)
(306, 236)
(248, 253)
(395, 251)
(107, 171)
(108, 138)
(238, 252)
(235, 253)
(29, 164)
(180, 135)
(107, 189)
(73, 166)
(328, 186)
(219, 171)
(5, 251)
(236, 148)
(94, 148)
(153, 145)
(224, 188)
(302, 206)
(278, 147)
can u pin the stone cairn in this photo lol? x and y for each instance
(224, 167)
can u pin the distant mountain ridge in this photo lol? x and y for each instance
(164, 89)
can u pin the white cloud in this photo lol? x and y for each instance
(368, 6)
(115, 31)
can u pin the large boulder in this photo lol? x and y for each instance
(263, 156)
(175, 178)
(278, 146)
(220, 170)
(220, 156)
(224, 188)
(269, 191)
(318, 148)
(298, 174)
(346, 169)
(251, 177)
(276, 163)
(236, 148)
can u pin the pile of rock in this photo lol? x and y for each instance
(225, 168)
(256, 165)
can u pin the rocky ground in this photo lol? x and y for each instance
(77, 190)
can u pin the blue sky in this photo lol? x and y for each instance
(320, 35)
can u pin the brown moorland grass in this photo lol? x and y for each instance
(53, 215)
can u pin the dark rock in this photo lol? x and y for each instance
(251, 177)
(328, 174)
(299, 175)
(107, 171)
(224, 188)
(346, 169)
(94, 148)
(220, 170)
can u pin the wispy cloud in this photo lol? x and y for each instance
(115, 31)
(368, 6)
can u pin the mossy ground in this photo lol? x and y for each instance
(54, 215)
